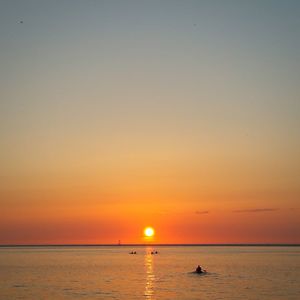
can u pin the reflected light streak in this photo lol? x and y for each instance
(150, 277)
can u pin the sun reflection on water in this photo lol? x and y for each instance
(150, 277)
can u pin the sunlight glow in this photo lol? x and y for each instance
(149, 231)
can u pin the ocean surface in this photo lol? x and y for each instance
(110, 272)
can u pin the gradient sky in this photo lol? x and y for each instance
(183, 115)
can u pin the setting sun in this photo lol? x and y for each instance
(149, 232)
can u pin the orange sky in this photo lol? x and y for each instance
(118, 115)
(183, 208)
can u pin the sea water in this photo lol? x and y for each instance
(110, 272)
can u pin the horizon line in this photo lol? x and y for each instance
(155, 244)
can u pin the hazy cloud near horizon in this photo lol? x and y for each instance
(255, 210)
(202, 212)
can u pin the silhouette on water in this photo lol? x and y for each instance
(199, 270)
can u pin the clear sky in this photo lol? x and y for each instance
(182, 115)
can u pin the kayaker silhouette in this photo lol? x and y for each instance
(199, 269)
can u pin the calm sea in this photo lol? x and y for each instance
(112, 273)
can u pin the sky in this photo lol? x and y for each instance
(181, 115)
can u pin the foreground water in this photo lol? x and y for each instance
(112, 273)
